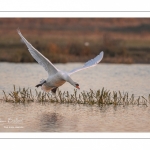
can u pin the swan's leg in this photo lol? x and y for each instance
(40, 84)
(54, 90)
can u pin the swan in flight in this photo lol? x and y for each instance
(56, 77)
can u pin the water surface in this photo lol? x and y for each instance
(134, 79)
(76, 118)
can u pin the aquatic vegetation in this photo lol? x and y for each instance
(99, 97)
(19, 96)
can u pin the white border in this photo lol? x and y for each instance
(74, 14)
(74, 144)
(69, 5)
(74, 5)
(75, 135)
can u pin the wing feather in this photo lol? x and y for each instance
(91, 63)
(43, 61)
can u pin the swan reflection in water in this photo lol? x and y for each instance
(50, 121)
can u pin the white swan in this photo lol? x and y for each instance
(56, 77)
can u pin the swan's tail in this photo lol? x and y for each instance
(42, 81)
(46, 88)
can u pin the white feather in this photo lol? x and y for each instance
(48, 66)
(88, 64)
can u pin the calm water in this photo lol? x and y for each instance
(76, 118)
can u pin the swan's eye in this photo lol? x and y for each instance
(77, 84)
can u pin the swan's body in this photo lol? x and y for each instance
(56, 77)
(54, 81)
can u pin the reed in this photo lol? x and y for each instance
(100, 97)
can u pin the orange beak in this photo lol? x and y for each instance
(77, 87)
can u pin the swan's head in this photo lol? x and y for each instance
(68, 79)
(77, 85)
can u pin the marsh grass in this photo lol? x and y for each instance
(99, 97)
(19, 96)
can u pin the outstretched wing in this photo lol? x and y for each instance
(48, 66)
(90, 63)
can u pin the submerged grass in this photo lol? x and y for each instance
(99, 97)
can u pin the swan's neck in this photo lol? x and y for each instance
(70, 81)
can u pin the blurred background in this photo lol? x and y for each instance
(62, 40)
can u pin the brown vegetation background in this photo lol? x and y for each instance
(123, 40)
